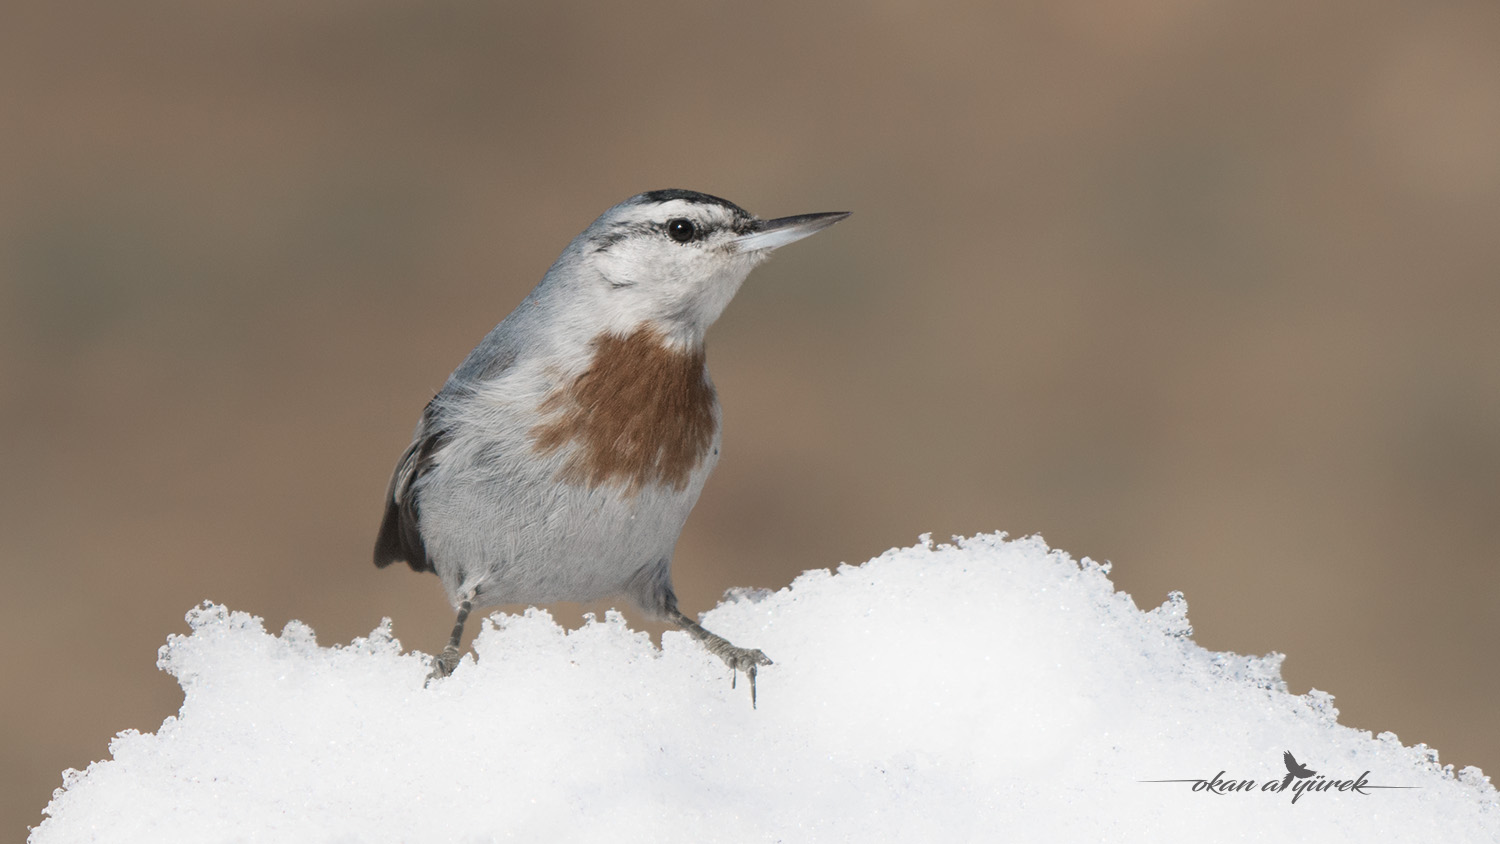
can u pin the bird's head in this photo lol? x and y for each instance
(672, 259)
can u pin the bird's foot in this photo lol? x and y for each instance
(443, 664)
(747, 660)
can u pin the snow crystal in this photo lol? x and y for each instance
(985, 690)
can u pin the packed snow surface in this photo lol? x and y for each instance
(981, 691)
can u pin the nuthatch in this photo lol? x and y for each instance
(561, 458)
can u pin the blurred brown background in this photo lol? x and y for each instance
(1206, 289)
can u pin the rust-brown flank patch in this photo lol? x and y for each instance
(641, 413)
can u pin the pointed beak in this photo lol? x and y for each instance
(771, 234)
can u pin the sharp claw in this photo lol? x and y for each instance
(747, 660)
(442, 666)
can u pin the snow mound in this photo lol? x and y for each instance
(985, 690)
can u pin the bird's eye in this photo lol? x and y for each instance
(681, 230)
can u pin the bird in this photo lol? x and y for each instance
(560, 460)
(1293, 769)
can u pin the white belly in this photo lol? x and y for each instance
(505, 529)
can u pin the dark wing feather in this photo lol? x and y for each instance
(400, 538)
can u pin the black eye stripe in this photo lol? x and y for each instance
(681, 229)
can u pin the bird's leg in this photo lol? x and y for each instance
(738, 659)
(444, 663)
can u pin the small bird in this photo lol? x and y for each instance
(560, 459)
(1293, 769)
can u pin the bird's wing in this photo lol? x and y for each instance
(1295, 767)
(400, 536)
